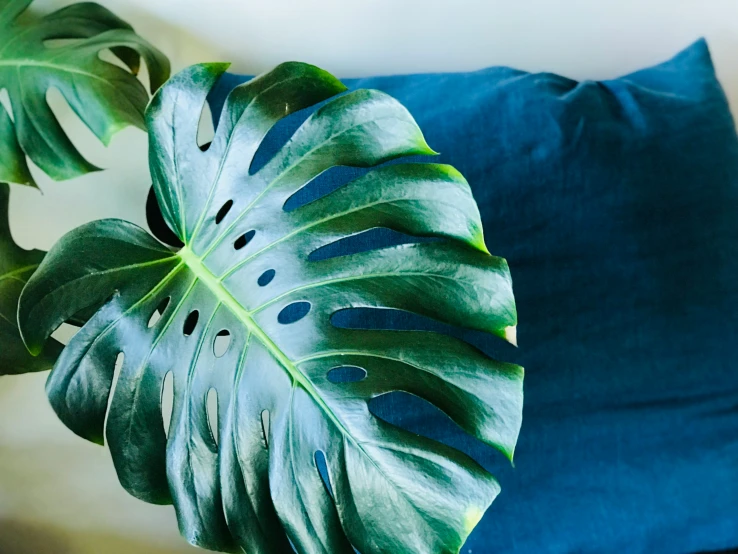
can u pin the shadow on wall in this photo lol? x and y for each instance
(18, 537)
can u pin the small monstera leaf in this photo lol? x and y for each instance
(16, 265)
(105, 96)
(245, 275)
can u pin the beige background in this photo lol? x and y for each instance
(59, 494)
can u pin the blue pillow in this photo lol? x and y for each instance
(616, 206)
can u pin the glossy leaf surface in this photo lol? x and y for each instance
(16, 266)
(106, 96)
(244, 310)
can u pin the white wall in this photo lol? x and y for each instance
(581, 38)
(58, 490)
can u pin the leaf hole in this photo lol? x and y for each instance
(65, 332)
(211, 407)
(223, 211)
(119, 359)
(221, 343)
(322, 465)
(61, 42)
(328, 181)
(421, 417)
(277, 137)
(190, 323)
(371, 239)
(265, 426)
(73, 125)
(115, 56)
(347, 374)
(205, 128)
(158, 312)
(294, 312)
(157, 224)
(401, 320)
(243, 240)
(266, 277)
(167, 401)
(5, 103)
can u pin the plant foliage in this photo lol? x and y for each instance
(103, 94)
(246, 276)
(16, 265)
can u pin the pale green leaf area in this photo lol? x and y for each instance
(243, 312)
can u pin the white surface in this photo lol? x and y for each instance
(64, 488)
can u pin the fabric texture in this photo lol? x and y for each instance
(616, 205)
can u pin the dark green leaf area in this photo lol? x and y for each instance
(16, 266)
(243, 312)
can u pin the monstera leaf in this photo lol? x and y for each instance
(246, 276)
(16, 265)
(105, 96)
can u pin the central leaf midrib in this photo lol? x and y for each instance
(205, 276)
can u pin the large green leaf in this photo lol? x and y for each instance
(16, 265)
(244, 266)
(104, 95)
